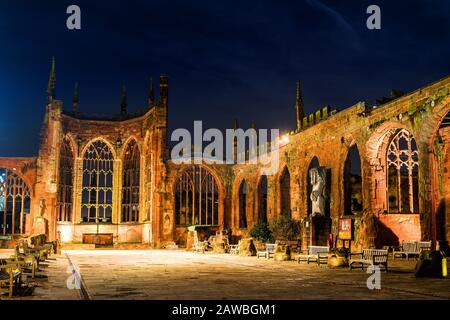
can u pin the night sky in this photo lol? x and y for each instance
(225, 59)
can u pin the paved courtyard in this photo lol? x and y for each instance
(166, 274)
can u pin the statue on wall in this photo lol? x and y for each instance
(167, 226)
(317, 196)
(40, 225)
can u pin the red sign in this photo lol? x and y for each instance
(345, 229)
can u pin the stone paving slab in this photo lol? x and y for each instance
(166, 274)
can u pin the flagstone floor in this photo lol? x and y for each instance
(177, 274)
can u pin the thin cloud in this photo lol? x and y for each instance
(340, 20)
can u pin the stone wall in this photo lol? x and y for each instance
(326, 136)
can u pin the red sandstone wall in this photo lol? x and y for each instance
(399, 227)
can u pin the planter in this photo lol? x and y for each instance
(335, 261)
(338, 258)
(247, 248)
(282, 251)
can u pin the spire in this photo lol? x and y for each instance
(151, 93)
(51, 82)
(123, 101)
(235, 123)
(299, 107)
(253, 125)
(75, 98)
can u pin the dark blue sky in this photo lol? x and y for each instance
(225, 59)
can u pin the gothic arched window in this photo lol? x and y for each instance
(196, 198)
(65, 184)
(14, 202)
(403, 165)
(262, 198)
(130, 187)
(97, 192)
(243, 205)
(285, 192)
(352, 182)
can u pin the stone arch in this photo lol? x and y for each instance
(184, 204)
(434, 173)
(131, 176)
(262, 209)
(15, 202)
(97, 183)
(91, 141)
(71, 139)
(129, 140)
(375, 152)
(352, 181)
(284, 182)
(242, 204)
(66, 173)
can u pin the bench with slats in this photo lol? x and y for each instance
(10, 275)
(411, 248)
(234, 248)
(318, 254)
(30, 263)
(267, 252)
(368, 257)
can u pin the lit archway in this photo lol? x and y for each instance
(196, 198)
(65, 183)
(130, 183)
(402, 174)
(97, 188)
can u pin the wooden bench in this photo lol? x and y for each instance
(318, 254)
(30, 263)
(200, 246)
(411, 248)
(267, 252)
(40, 253)
(370, 257)
(10, 275)
(234, 248)
(424, 245)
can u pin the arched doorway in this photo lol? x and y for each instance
(353, 201)
(15, 201)
(262, 199)
(196, 198)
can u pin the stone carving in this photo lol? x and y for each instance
(40, 223)
(167, 227)
(317, 196)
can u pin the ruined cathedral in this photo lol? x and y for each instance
(110, 180)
